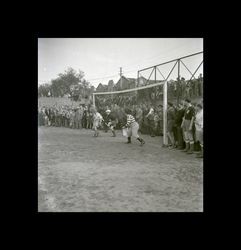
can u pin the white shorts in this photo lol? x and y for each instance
(133, 130)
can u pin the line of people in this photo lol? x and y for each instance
(66, 116)
(185, 127)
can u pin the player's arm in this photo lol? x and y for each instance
(128, 123)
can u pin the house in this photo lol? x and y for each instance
(143, 81)
(125, 83)
(111, 85)
(102, 88)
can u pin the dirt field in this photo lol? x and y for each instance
(81, 173)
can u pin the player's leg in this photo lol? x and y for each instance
(129, 134)
(112, 128)
(185, 134)
(94, 128)
(135, 128)
(191, 141)
(199, 137)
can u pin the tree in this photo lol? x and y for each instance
(70, 83)
(44, 89)
(62, 85)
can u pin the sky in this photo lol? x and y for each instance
(101, 58)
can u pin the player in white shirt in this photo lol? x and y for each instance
(97, 120)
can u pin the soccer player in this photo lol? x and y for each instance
(97, 119)
(112, 121)
(133, 128)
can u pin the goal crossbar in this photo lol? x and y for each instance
(130, 90)
(164, 83)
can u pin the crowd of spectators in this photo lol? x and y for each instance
(66, 116)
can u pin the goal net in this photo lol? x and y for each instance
(154, 88)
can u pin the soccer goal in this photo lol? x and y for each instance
(156, 85)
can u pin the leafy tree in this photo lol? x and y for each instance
(44, 89)
(71, 83)
(62, 85)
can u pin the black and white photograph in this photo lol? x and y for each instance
(120, 124)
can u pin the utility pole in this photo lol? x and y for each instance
(121, 77)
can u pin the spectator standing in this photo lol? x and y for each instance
(151, 124)
(84, 118)
(175, 128)
(139, 117)
(170, 124)
(71, 119)
(178, 122)
(76, 118)
(87, 119)
(81, 111)
(67, 121)
(90, 119)
(160, 122)
(199, 128)
(187, 126)
(156, 123)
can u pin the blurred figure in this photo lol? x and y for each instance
(71, 119)
(199, 128)
(151, 124)
(139, 117)
(111, 120)
(97, 120)
(170, 124)
(178, 121)
(90, 122)
(84, 117)
(187, 126)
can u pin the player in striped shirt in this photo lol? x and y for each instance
(132, 128)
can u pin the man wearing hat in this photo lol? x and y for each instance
(112, 121)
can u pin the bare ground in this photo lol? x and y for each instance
(81, 173)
